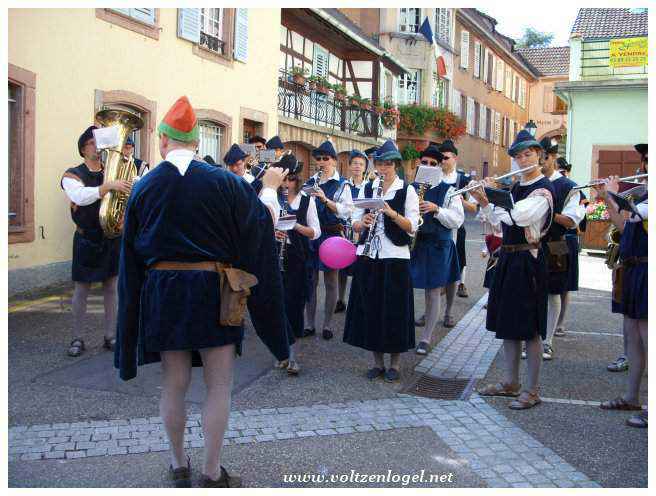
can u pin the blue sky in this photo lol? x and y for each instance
(512, 21)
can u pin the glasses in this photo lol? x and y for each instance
(291, 177)
(322, 159)
(429, 162)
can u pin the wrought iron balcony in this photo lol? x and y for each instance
(298, 101)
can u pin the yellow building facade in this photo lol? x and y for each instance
(66, 64)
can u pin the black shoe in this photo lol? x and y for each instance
(392, 375)
(224, 481)
(109, 343)
(340, 307)
(327, 334)
(375, 372)
(309, 332)
(422, 348)
(181, 476)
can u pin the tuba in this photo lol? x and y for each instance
(116, 167)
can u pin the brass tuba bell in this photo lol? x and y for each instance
(116, 167)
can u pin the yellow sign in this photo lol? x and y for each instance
(628, 52)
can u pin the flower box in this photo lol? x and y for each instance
(594, 237)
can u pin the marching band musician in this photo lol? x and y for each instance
(564, 270)
(95, 257)
(258, 141)
(296, 273)
(380, 312)
(631, 278)
(276, 144)
(128, 151)
(517, 303)
(434, 261)
(331, 210)
(196, 238)
(357, 168)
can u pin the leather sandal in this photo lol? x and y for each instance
(620, 403)
(449, 321)
(181, 476)
(526, 400)
(293, 368)
(76, 348)
(280, 364)
(226, 480)
(500, 389)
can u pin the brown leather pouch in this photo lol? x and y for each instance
(618, 280)
(234, 287)
(557, 258)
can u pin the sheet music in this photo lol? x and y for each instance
(286, 223)
(107, 137)
(249, 149)
(370, 203)
(429, 174)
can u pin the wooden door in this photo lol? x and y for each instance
(618, 162)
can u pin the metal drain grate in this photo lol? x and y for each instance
(441, 389)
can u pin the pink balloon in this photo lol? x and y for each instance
(337, 252)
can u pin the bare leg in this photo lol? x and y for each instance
(110, 297)
(330, 283)
(511, 351)
(176, 376)
(79, 304)
(218, 366)
(433, 298)
(311, 305)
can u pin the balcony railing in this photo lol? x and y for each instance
(308, 105)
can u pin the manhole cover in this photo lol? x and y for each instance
(441, 389)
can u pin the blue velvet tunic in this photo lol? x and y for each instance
(208, 214)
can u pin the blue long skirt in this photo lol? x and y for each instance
(434, 264)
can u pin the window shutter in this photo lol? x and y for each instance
(508, 82)
(241, 35)
(122, 11)
(522, 93)
(444, 25)
(320, 62)
(493, 83)
(477, 59)
(497, 127)
(189, 24)
(464, 49)
(500, 71)
(482, 121)
(470, 115)
(484, 64)
(143, 15)
(455, 104)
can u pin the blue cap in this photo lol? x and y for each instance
(523, 140)
(129, 141)
(275, 143)
(325, 148)
(432, 152)
(357, 153)
(387, 151)
(234, 155)
(448, 146)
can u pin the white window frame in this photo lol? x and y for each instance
(404, 82)
(405, 24)
(145, 15)
(442, 25)
(211, 22)
(207, 130)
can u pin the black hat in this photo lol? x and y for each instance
(549, 145)
(275, 143)
(563, 164)
(523, 140)
(448, 146)
(84, 137)
(370, 151)
(257, 139)
(209, 160)
(432, 152)
(325, 148)
(290, 163)
(234, 155)
(641, 148)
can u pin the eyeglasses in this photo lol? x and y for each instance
(322, 159)
(429, 162)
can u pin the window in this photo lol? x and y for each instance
(508, 82)
(490, 70)
(500, 73)
(497, 128)
(440, 94)
(516, 89)
(488, 124)
(144, 21)
(21, 105)
(464, 49)
(482, 125)
(210, 140)
(409, 85)
(471, 116)
(409, 20)
(443, 25)
(211, 29)
(456, 101)
(463, 108)
(477, 59)
(477, 119)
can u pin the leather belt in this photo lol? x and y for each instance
(207, 266)
(520, 247)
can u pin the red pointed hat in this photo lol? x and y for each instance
(180, 122)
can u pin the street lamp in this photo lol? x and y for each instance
(531, 127)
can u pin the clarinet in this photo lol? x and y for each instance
(370, 235)
(423, 187)
(283, 243)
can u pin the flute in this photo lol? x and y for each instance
(478, 184)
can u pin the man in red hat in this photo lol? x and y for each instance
(196, 241)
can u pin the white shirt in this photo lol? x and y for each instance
(530, 213)
(572, 209)
(344, 202)
(80, 194)
(387, 248)
(312, 216)
(181, 159)
(643, 210)
(452, 215)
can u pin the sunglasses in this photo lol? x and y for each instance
(429, 162)
(291, 177)
(322, 159)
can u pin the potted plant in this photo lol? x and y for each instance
(323, 86)
(340, 92)
(423, 123)
(312, 82)
(299, 75)
(354, 101)
(597, 226)
(390, 116)
(365, 104)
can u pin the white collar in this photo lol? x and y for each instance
(556, 175)
(396, 185)
(451, 178)
(528, 183)
(180, 158)
(335, 176)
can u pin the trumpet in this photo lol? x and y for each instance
(478, 184)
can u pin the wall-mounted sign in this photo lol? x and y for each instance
(628, 52)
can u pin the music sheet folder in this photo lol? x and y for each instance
(500, 198)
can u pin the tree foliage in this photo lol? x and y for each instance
(535, 39)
